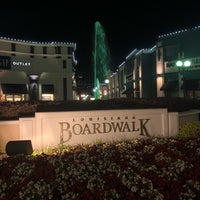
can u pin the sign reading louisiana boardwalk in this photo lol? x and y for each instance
(51, 129)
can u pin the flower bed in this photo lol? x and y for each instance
(153, 168)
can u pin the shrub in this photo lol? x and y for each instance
(190, 129)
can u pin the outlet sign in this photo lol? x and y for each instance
(21, 64)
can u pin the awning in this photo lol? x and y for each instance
(128, 91)
(192, 84)
(48, 89)
(169, 85)
(14, 88)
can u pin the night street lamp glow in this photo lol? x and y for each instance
(186, 63)
(179, 63)
(106, 81)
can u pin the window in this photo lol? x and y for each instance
(13, 48)
(44, 51)
(47, 89)
(32, 51)
(70, 50)
(5, 62)
(57, 52)
(64, 64)
(47, 92)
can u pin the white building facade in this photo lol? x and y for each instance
(37, 70)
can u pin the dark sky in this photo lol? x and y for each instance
(127, 25)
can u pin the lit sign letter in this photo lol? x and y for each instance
(64, 128)
(143, 128)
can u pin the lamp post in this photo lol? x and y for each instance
(107, 87)
(182, 65)
(104, 89)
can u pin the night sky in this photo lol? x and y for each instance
(127, 25)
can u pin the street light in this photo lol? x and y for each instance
(185, 63)
(181, 64)
(105, 90)
(106, 81)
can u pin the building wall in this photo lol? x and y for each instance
(135, 77)
(148, 85)
(51, 62)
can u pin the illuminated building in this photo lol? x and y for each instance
(171, 68)
(37, 70)
(179, 80)
(135, 77)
